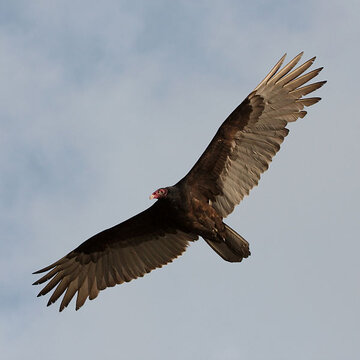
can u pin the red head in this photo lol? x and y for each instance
(159, 193)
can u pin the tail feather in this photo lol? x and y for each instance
(233, 248)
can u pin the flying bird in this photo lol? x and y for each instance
(229, 168)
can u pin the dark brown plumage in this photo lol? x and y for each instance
(229, 168)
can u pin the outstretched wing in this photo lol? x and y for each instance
(248, 139)
(124, 252)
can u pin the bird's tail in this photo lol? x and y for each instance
(233, 248)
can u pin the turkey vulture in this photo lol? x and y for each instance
(228, 169)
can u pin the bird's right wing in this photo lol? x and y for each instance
(124, 252)
(248, 139)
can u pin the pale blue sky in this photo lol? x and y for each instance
(103, 102)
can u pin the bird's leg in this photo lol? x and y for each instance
(208, 223)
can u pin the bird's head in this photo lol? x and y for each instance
(159, 193)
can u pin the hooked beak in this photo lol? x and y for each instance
(152, 196)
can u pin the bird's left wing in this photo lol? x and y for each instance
(124, 252)
(248, 139)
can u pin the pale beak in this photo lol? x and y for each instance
(152, 196)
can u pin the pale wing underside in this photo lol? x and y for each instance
(88, 273)
(276, 101)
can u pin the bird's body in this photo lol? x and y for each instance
(196, 206)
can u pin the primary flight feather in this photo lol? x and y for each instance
(228, 169)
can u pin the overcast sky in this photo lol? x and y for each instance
(103, 102)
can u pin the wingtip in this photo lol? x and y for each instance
(281, 60)
(318, 70)
(298, 56)
(302, 114)
(43, 269)
(322, 83)
(273, 71)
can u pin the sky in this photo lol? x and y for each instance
(104, 102)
